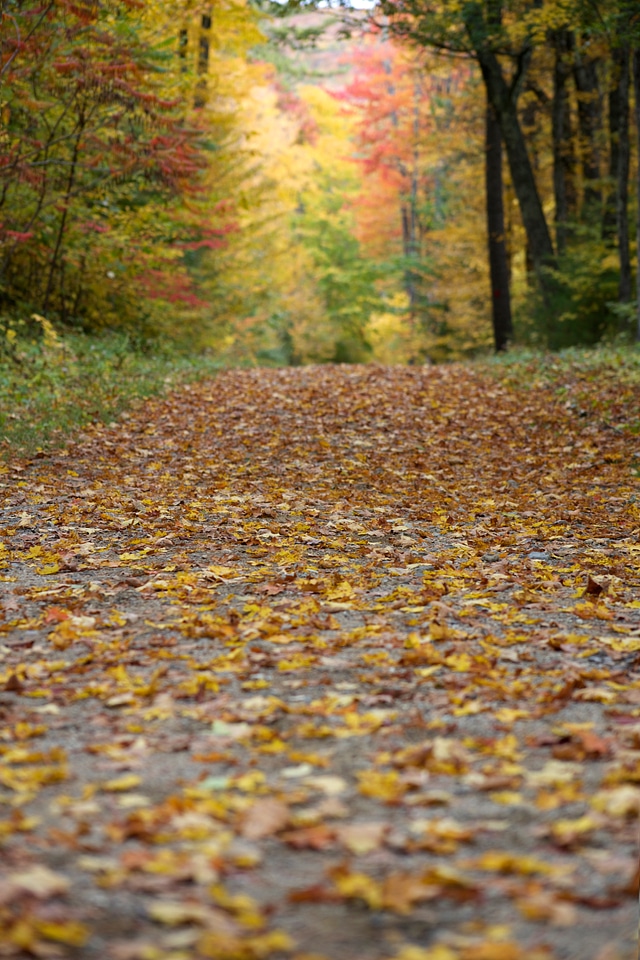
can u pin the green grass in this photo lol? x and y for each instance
(50, 387)
(597, 382)
(531, 368)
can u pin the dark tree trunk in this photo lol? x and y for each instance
(622, 186)
(585, 75)
(636, 90)
(410, 250)
(498, 259)
(615, 221)
(502, 99)
(564, 163)
(62, 226)
(609, 211)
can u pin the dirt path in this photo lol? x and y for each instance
(332, 663)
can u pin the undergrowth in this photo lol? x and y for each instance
(534, 368)
(52, 385)
(601, 383)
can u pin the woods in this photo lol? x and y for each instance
(441, 181)
(331, 649)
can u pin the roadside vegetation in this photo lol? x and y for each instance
(52, 385)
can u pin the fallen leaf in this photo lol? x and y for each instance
(264, 817)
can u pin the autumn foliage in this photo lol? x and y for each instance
(259, 188)
(104, 173)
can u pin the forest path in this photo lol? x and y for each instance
(327, 662)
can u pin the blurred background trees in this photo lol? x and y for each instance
(442, 181)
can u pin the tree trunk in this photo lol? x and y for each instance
(636, 90)
(498, 260)
(615, 222)
(66, 202)
(622, 192)
(585, 75)
(564, 183)
(504, 103)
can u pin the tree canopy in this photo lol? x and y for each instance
(293, 185)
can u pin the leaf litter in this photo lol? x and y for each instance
(324, 663)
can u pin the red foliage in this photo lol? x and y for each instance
(176, 288)
(290, 103)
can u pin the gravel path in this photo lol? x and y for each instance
(327, 663)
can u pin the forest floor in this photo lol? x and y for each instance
(331, 662)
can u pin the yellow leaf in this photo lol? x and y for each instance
(342, 591)
(359, 886)
(460, 662)
(507, 797)
(437, 952)
(219, 571)
(72, 933)
(122, 784)
(502, 861)
(490, 950)
(174, 913)
(296, 662)
(442, 631)
(381, 784)
(509, 714)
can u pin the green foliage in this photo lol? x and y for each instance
(529, 369)
(346, 280)
(52, 384)
(581, 310)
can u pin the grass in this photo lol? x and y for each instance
(599, 382)
(52, 386)
(531, 368)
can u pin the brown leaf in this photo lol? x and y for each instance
(318, 837)
(593, 588)
(264, 818)
(314, 894)
(494, 950)
(13, 684)
(361, 838)
(402, 891)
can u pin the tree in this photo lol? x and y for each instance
(123, 163)
(498, 258)
(564, 155)
(89, 138)
(476, 29)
